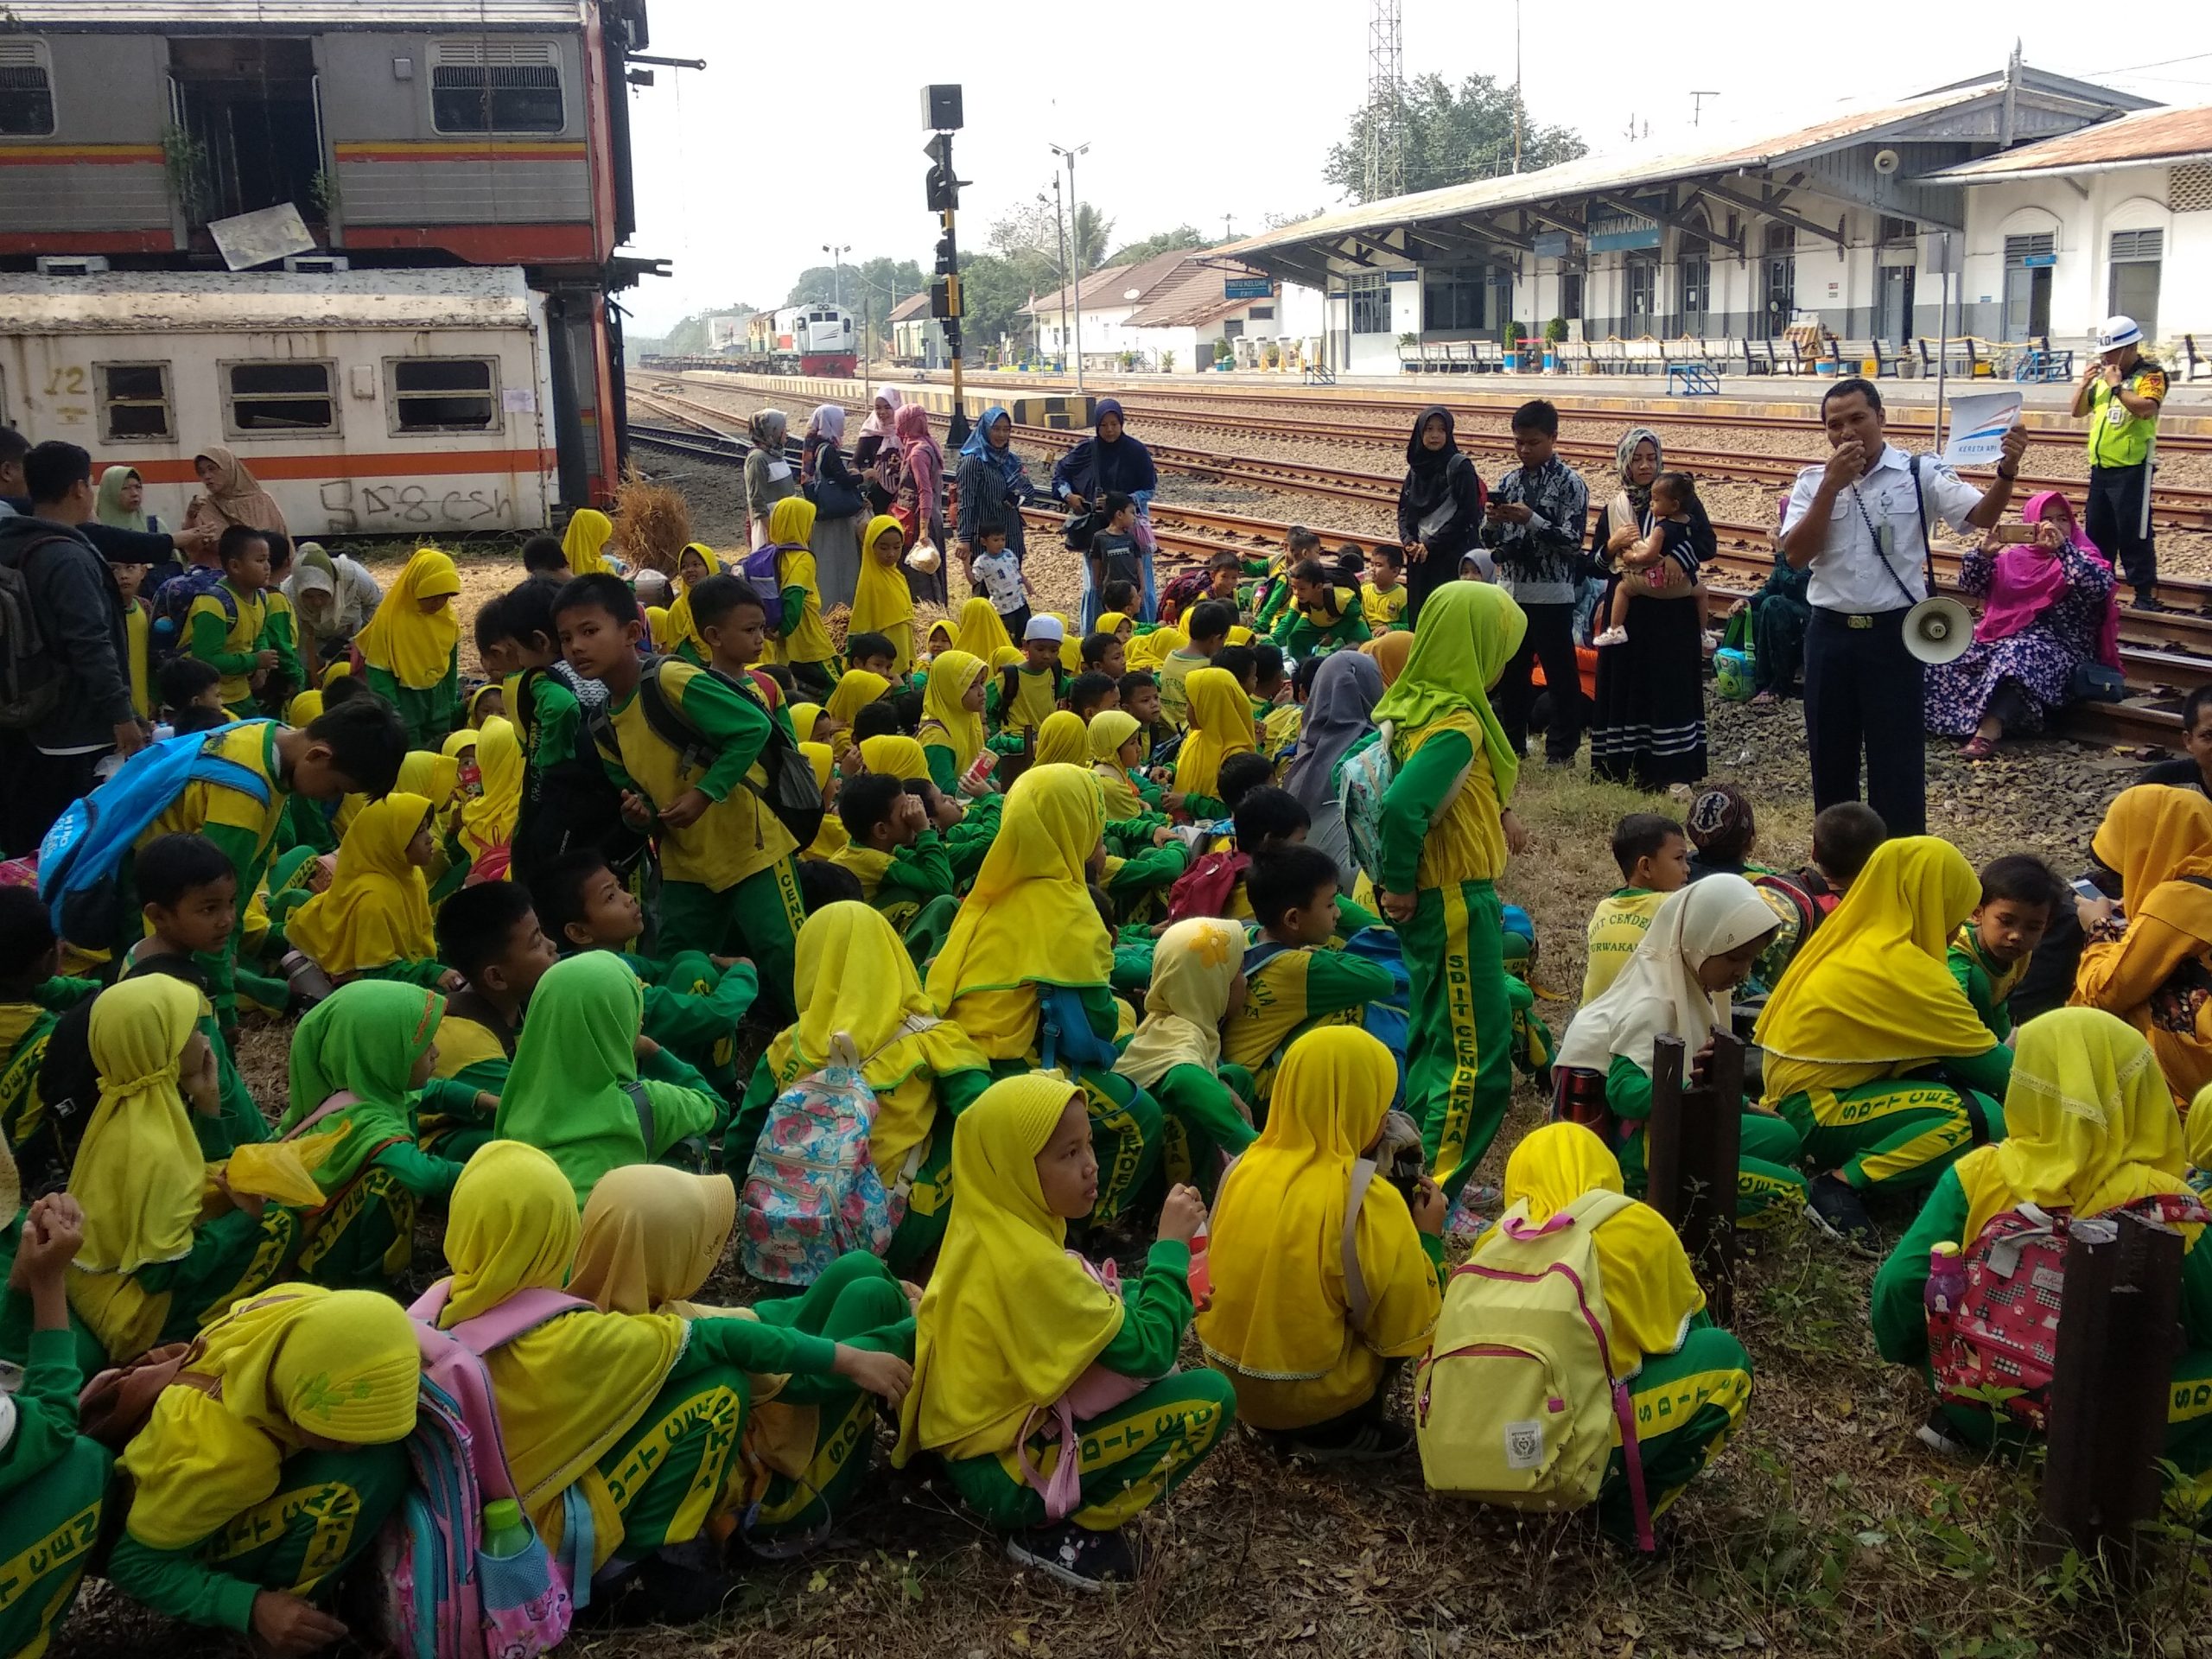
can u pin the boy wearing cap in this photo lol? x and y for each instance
(1025, 693)
(2120, 392)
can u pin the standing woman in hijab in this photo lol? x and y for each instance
(1439, 507)
(122, 501)
(992, 487)
(768, 477)
(334, 598)
(1339, 712)
(1647, 727)
(922, 470)
(411, 648)
(875, 451)
(230, 495)
(1109, 462)
(838, 506)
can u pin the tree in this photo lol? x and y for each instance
(1183, 235)
(868, 289)
(689, 337)
(1451, 136)
(1029, 236)
(994, 288)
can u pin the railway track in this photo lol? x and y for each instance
(2163, 655)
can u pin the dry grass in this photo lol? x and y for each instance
(651, 523)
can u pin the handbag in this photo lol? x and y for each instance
(832, 497)
(2096, 681)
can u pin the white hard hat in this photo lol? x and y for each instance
(2116, 332)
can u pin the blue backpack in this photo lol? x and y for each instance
(761, 569)
(78, 860)
(172, 604)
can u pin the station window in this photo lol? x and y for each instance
(1455, 299)
(266, 399)
(1370, 303)
(492, 86)
(134, 401)
(26, 90)
(443, 394)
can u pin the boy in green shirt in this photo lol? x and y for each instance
(2019, 896)
(490, 935)
(1208, 631)
(229, 630)
(1324, 612)
(902, 863)
(1027, 694)
(1654, 856)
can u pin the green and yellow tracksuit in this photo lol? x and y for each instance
(1768, 1183)
(1687, 1404)
(1616, 927)
(54, 1482)
(692, 1010)
(429, 712)
(1292, 990)
(1987, 981)
(1313, 630)
(25, 1027)
(1891, 1126)
(1201, 1127)
(227, 638)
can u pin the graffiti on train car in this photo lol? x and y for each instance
(402, 505)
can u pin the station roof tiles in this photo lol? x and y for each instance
(2147, 139)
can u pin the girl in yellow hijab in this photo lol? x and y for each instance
(652, 1237)
(410, 648)
(2090, 1128)
(693, 566)
(1307, 1350)
(800, 641)
(375, 916)
(1690, 1375)
(487, 822)
(1063, 741)
(2158, 842)
(1869, 1039)
(1221, 725)
(1028, 941)
(1197, 987)
(854, 976)
(856, 688)
(882, 603)
(639, 1413)
(263, 1476)
(168, 1245)
(1117, 745)
(831, 838)
(951, 731)
(981, 634)
(1022, 1355)
(584, 541)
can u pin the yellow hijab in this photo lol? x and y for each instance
(304, 707)
(488, 820)
(1148, 650)
(945, 722)
(682, 628)
(1872, 984)
(853, 975)
(791, 522)
(1193, 970)
(337, 670)
(1221, 725)
(894, 756)
(856, 688)
(1651, 1293)
(1029, 919)
(981, 635)
(430, 774)
(2156, 837)
(458, 743)
(1063, 741)
(139, 1174)
(589, 531)
(658, 632)
(1109, 729)
(1113, 622)
(1070, 642)
(1390, 652)
(881, 599)
(1009, 1319)
(570, 1389)
(652, 1237)
(2089, 1125)
(376, 909)
(340, 1364)
(1280, 1308)
(414, 649)
(804, 714)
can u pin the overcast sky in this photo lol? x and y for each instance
(1193, 110)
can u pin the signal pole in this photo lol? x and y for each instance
(941, 115)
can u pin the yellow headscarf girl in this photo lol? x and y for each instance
(1115, 623)
(1221, 725)
(981, 635)
(894, 755)
(570, 1389)
(1390, 652)
(882, 603)
(804, 714)
(488, 820)
(1279, 1320)
(791, 522)
(305, 708)
(1148, 650)
(342, 1365)
(658, 633)
(854, 976)
(1194, 970)
(377, 908)
(1028, 920)
(1063, 741)
(832, 838)
(415, 647)
(139, 1174)
(589, 531)
(652, 1237)
(682, 629)
(1010, 1319)
(947, 722)
(1109, 729)
(857, 688)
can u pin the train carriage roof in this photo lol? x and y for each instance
(233, 17)
(136, 302)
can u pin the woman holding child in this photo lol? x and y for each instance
(1648, 726)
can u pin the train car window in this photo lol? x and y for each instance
(497, 97)
(443, 394)
(134, 401)
(267, 399)
(26, 90)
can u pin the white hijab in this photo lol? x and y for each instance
(1658, 994)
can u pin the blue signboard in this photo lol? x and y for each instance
(1550, 244)
(1401, 275)
(2037, 261)
(1601, 241)
(1247, 288)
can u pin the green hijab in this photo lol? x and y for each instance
(566, 1093)
(1467, 634)
(108, 507)
(365, 1039)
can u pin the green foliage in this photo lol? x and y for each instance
(184, 158)
(1160, 242)
(1452, 135)
(868, 289)
(994, 289)
(1513, 333)
(1556, 330)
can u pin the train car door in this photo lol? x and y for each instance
(249, 114)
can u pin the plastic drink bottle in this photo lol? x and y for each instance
(1201, 1277)
(1946, 1287)
(505, 1533)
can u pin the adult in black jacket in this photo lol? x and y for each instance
(1439, 507)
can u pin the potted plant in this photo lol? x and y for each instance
(1554, 333)
(1513, 333)
(1274, 354)
(1224, 356)
(1167, 362)
(1129, 359)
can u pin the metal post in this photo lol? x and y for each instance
(1942, 341)
(1059, 219)
(1692, 1144)
(1075, 242)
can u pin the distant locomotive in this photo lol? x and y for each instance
(813, 338)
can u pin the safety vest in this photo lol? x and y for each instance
(2118, 438)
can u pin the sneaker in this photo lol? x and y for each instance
(1077, 1557)
(1937, 1434)
(2146, 599)
(1371, 1442)
(1835, 1209)
(1614, 636)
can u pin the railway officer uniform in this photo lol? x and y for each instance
(1863, 689)
(2120, 440)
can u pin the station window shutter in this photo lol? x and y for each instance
(496, 86)
(2137, 247)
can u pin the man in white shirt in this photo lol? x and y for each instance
(1860, 522)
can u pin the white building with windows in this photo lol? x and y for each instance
(1179, 306)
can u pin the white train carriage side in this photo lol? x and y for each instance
(369, 403)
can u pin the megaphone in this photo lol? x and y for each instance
(1937, 630)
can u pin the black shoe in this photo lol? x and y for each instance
(2146, 600)
(1077, 1557)
(1937, 1434)
(658, 1591)
(1375, 1441)
(1835, 1209)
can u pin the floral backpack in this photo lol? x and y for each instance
(1363, 779)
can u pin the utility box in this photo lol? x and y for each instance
(941, 109)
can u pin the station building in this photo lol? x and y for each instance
(1180, 309)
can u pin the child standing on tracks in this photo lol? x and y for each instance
(729, 882)
(996, 572)
(1534, 523)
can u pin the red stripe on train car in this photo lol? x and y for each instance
(441, 463)
(488, 244)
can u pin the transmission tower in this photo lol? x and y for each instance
(1386, 72)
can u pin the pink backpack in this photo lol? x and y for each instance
(445, 1596)
(1094, 1393)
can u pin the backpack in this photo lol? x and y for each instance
(1733, 664)
(31, 678)
(1996, 1351)
(812, 1192)
(1363, 779)
(78, 860)
(1519, 1400)
(760, 568)
(1181, 592)
(441, 1595)
(172, 601)
(1204, 888)
(1799, 911)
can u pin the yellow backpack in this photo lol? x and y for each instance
(1519, 1400)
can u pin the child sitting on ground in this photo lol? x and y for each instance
(373, 921)
(33, 998)
(1104, 653)
(1089, 692)
(490, 933)
(892, 847)
(1207, 629)
(1023, 696)
(192, 694)
(1197, 989)
(2019, 898)
(1845, 836)
(1723, 832)
(1223, 572)
(1654, 856)
(1324, 612)
(1664, 564)
(1141, 700)
(1383, 594)
(542, 559)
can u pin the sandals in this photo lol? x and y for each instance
(1978, 748)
